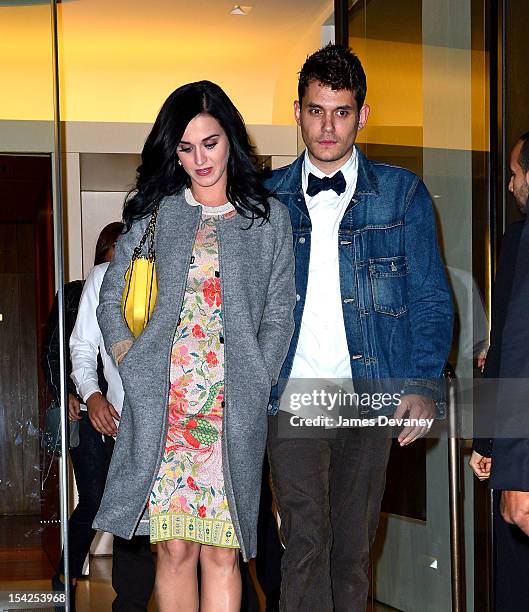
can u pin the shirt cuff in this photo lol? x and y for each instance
(89, 390)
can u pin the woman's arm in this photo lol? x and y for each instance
(277, 323)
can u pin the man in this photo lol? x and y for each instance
(510, 467)
(133, 569)
(511, 546)
(373, 304)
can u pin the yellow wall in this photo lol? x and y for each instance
(404, 81)
(26, 79)
(286, 87)
(117, 67)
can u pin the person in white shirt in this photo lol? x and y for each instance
(133, 568)
(86, 343)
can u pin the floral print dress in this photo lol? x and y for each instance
(188, 500)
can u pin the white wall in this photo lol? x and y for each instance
(98, 208)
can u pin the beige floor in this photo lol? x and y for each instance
(95, 592)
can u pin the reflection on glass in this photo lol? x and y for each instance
(29, 484)
(427, 87)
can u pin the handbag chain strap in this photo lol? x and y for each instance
(148, 235)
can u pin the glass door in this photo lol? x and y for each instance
(426, 69)
(30, 413)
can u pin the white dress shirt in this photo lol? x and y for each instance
(86, 342)
(322, 350)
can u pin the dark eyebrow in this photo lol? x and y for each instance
(343, 107)
(203, 139)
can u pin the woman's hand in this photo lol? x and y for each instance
(120, 349)
(480, 465)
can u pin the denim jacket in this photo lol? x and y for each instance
(396, 301)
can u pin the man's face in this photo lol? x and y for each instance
(519, 183)
(329, 121)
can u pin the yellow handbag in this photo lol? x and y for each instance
(139, 295)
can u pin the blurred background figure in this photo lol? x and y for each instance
(91, 456)
(511, 545)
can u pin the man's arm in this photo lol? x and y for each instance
(51, 348)
(50, 352)
(429, 298)
(84, 349)
(430, 314)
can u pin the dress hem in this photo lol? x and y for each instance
(181, 526)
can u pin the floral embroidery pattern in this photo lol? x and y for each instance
(188, 500)
(211, 291)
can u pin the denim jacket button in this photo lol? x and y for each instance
(298, 297)
(302, 240)
(348, 300)
(356, 356)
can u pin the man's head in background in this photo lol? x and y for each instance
(519, 164)
(107, 241)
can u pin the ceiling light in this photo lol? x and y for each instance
(240, 9)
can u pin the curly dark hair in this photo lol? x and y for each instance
(159, 175)
(523, 159)
(337, 67)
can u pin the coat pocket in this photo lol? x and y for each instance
(388, 285)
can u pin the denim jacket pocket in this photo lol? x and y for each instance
(388, 285)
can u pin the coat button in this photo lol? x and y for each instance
(302, 240)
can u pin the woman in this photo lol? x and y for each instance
(197, 380)
(90, 457)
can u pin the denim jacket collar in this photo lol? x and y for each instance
(367, 182)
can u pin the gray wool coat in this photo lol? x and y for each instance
(258, 298)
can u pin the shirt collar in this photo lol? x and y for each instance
(348, 169)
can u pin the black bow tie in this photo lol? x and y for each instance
(336, 183)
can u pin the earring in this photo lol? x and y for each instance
(179, 162)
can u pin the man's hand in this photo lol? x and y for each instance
(482, 358)
(74, 408)
(515, 509)
(480, 465)
(417, 407)
(102, 414)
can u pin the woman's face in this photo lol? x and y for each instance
(204, 151)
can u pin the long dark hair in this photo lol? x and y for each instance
(106, 241)
(159, 174)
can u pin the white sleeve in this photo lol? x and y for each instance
(86, 337)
